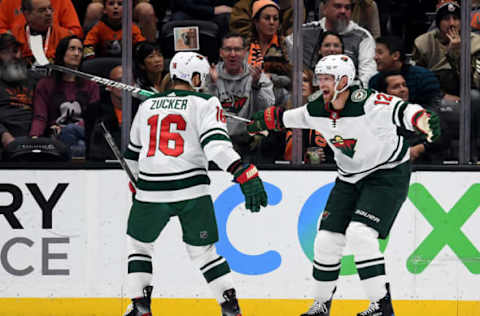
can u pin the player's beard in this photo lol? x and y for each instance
(13, 71)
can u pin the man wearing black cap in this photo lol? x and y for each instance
(439, 51)
(16, 92)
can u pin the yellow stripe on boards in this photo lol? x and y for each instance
(207, 307)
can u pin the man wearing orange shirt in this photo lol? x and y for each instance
(39, 21)
(64, 14)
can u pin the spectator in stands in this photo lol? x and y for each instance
(241, 18)
(331, 43)
(265, 40)
(62, 101)
(475, 16)
(439, 51)
(242, 91)
(105, 38)
(16, 92)
(279, 71)
(423, 85)
(149, 68)
(143, 15)
(217, 11)
(109, 112)
(63, 14)
(39, 21)
(267, 49)
(365, 14)
(405, 18)
(359, 43)
(311, 138)
(393, 82)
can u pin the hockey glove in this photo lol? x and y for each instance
(427, 123)
(270, 119)
(251, 186)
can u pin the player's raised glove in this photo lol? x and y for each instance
(251, 186)
(269, 119)
(427, 123)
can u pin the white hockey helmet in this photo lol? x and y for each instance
(337, 66)
(185, 65)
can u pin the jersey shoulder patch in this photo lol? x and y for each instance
(359, 95)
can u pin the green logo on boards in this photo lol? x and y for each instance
(446, 231)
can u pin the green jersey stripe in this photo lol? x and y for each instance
(400, 114)
(215, 137)
(403, 151)
(172, 184)
(139, 266)
(129, 154)
(172, 174)
(211, 130)
(394, 113)
(216, 272)
(371, 271)
(135, 146)
(321, 275)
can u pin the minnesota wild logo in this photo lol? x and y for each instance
(347, 146)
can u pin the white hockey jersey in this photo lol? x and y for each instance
(363, 136)
(173, 136)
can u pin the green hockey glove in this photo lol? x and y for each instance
(270, 119)
(427, 123)
(252, 187)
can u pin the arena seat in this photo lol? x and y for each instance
(208, 38)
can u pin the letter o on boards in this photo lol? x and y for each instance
(4, 256)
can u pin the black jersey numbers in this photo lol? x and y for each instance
(383, 99)
(166, 136)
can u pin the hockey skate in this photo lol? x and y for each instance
(141, 306)
(230, 306)
(320, 308)
(383, 307)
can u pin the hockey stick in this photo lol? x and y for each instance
(36, 46)
(117, 153)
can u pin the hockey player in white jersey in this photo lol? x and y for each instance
(373, 175)
(173, 136)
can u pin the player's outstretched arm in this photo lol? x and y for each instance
(251, 185)
(269, 119)
(427, 123)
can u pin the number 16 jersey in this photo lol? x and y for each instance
(173, 136)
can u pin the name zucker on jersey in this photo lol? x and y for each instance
(177, 104)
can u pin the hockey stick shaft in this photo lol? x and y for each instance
(36, 46)
(104, 81)
(238, 118)
(117, 153)
(122, 86)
